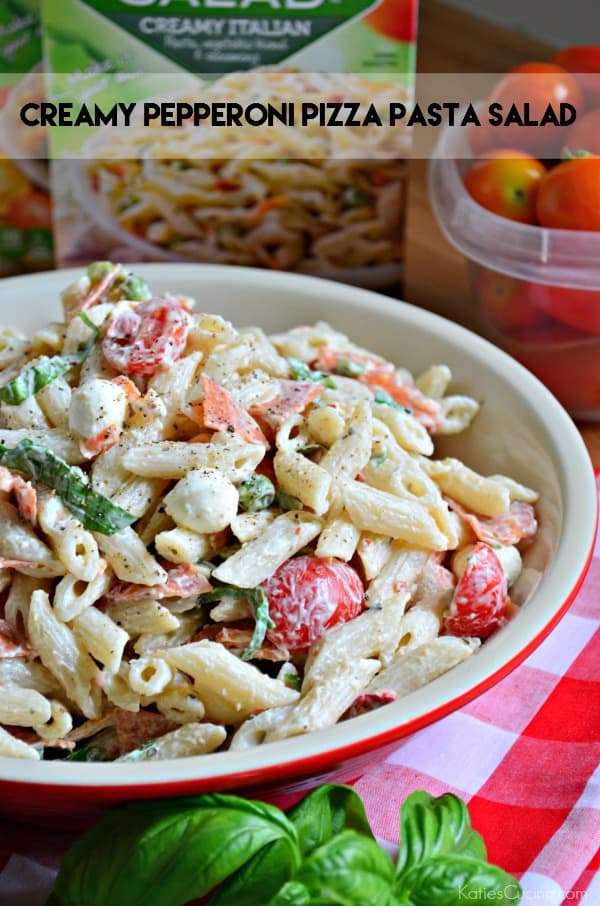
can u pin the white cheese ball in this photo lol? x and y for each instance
(204, 501)
(96, 405)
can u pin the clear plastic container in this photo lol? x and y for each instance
(536, 290)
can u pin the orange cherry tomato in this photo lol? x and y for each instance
(536, 85)
(584, 61)
(584, 134)
(569, 195)
(506, 301)
(505, 181)
(395, 19)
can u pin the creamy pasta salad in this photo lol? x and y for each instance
(211, 538)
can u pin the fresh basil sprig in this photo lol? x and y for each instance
(259, 603)
(321, 853)
(94, 511)
(35, 377)
(300, 371)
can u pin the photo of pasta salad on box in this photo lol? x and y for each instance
(214, 539)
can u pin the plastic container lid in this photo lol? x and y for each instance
(569, 258)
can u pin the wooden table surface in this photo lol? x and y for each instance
(436, 279)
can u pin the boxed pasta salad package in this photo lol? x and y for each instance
(197, 186)
(25, 208)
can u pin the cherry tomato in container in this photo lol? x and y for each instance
(308, 596)
(531, 88)
(584, 134)
(505, 300)
(579, 308)
(480, 597)
(506, 181)
(568, 197)
(395, 19)
(584, 62)
(147, 338)
(30, 211)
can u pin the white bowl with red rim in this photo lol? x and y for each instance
(521, 431)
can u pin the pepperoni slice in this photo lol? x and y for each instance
(519, 524)
(293, 398)
(220, 411)
(147, 338)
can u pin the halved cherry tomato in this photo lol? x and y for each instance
(504, 300)
(584, 134)
(537, 85)
(480, 597)
(584, 61)
(395, 19)
(307, 597)
(147, 338)
(569, 195)
(506, 181)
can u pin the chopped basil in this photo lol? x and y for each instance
(94, 511)
(259, 603)
(142, 753)
(34, 377)
(354, 197)
(286, 501)
(256, 493)
(292, 681)
(348, 368)
(300, 371)
(378, 459)
(382, 397)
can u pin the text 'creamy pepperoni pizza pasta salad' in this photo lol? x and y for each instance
(213, 539)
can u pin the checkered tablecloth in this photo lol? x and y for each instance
(524, 756)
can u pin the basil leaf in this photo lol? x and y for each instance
(286, 501)
(170, 851)
(378, 459)
(260, 878)
(349, 368)
(100, 748)
(35, 377)
(142, 753)
(292, 894)
(259, 603)
(351, 870)
(455, 880)
(94, 511)
(382, 397)
(300, 371)
(432, 827)
(326, 811)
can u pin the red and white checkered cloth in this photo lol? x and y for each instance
(524, 756)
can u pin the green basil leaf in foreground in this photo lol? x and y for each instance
(431, 827)
(35, 377)
(292, 894)
(456, 880)
(261, 878)
(167, 852)
(94, 511)
(326, 811)
(259, 603)
(350, 870)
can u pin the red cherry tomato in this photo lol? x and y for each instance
(506, 301)
(584, 61)
(580, 308)
(569, 195)
(480, 597)
(147, 338)
(30, 211)
(307, 597)
(584, 134)
(505, 181)
(537, 85)
(395, 19)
